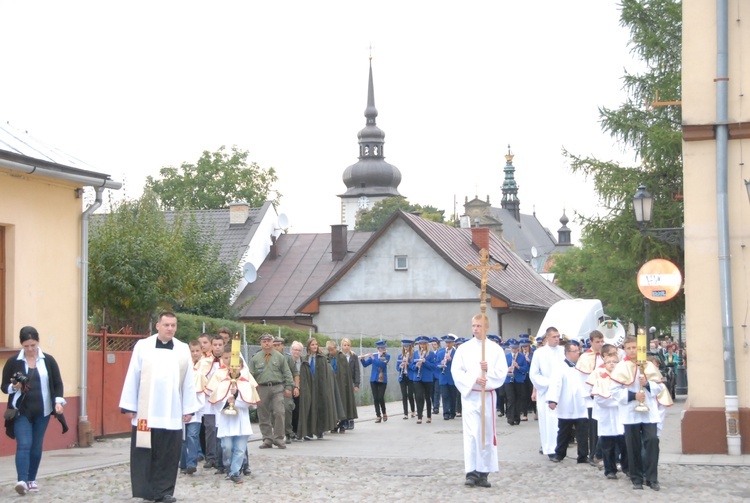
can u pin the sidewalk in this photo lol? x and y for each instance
(404, 438)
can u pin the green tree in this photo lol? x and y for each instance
(612, 249)
(217, 179)
(139, 264)
(373, 219)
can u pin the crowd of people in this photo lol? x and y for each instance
(601, 396)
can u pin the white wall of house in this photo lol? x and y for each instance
(430, 297)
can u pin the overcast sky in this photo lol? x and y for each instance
(129, 87)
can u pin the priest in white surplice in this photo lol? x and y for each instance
(480, 454)
(543, 363)
(158, 396)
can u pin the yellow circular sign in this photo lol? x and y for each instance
(659, 280)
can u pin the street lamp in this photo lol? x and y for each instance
(643, 204)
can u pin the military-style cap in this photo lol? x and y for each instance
(266, 336)
(381, 344)
(407, 342)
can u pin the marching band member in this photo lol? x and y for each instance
(378, 378)
(422, 367)
(405, 376)
(445, 378)
(518, 369)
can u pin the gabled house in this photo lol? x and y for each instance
(43, 261)
(410, 278)
(297, 266)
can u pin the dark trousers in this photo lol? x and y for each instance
(153, 472)
(295, 415)
(435, 395)
(593, 435)
(610, 446)
(378, 396)
(209, 426)
(637, 437)
(449, 393)
(407, 393)
(513, 401)
(423, 394)
(528, 389)
(502, 403)
(564, 431)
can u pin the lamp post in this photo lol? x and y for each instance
(643, 204)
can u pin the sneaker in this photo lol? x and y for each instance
(33, 486)
(22, 488)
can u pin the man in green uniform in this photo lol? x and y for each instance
(278, 345)
(271, 371)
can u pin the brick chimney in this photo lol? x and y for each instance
(338, 242)
(238, 213)
(480, 236)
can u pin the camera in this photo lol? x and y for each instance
(20, 378)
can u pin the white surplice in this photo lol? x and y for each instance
(543, 364)
(172, 391)
(480, 454)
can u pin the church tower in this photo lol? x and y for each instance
(510, 200)
(370, 179)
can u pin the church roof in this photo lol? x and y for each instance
(518, 285)
(524, 234)
(303, 264)
(371, 175)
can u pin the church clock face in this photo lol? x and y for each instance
(364, 202)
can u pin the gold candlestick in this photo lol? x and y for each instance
(641, 345)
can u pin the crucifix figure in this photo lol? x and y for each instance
(484, 268)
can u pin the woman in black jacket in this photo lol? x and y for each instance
(33, 381)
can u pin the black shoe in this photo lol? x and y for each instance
(446, 417)
(612, 476)
(654, 486)
(516, 423)
(637, 485)
(246, 471)
(220, 471)
(483, 482)
(190, 470)
(167, 498)
(471, 479)
(209, 464)
(435, 411)
(236, 479)
(554, 458)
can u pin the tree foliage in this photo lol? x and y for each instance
(373, 219)
(612, 248)
(216, 180)
(139, 264)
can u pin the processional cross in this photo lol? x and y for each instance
(484, 268)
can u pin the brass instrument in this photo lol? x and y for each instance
(445, 360)
(234, 372)
(641, 343)
(419, 361)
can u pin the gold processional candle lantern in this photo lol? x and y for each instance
(234, 371)
(641, 345)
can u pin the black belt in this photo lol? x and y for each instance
(271, 384)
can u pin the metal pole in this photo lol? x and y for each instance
(647, 320)
(731, 399)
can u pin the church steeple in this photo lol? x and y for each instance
(510, 200)
(563, 233)
(371, 178)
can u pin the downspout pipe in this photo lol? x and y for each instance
(85, 432)
(731, 399)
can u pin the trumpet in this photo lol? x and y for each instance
(446, 359)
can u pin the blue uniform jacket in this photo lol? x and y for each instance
(520, 374)
(428, 368)
(377, 364)
(445, 376)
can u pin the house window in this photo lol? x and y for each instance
(3, 266)
(401, 262)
